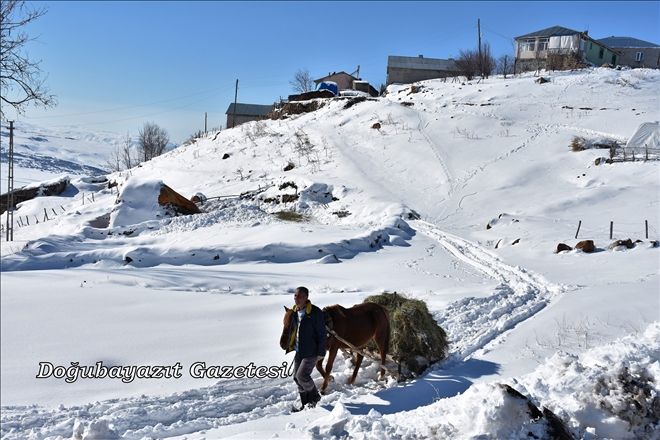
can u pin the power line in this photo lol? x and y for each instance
(508, 38)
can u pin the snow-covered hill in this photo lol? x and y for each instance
(453, 192)
(43, 153)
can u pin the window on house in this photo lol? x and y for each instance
(639, 56)
(601, 52)
(543, 43)
(528, 45)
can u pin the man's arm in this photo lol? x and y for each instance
(319, 328)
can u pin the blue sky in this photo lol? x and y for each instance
(116, 65)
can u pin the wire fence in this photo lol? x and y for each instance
(21, 221)
(616, 230)
(633, 154)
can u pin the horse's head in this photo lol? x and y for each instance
(286, 329)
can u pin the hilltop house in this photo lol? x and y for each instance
(406, 70)
(560, 48)
(634, 52)
(346, 81)
(246, 113)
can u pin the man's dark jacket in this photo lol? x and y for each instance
(312, 336)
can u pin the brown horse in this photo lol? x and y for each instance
(357, 325)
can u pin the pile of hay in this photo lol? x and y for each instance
(416, 339)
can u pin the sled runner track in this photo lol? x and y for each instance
(473, 322)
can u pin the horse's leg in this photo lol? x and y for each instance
(358, 362)
(319, 367)
(328, 367)
(382, 341)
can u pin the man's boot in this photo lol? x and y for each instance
(304, 399)
(313, 398)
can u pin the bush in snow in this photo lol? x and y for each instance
(577, 144)
(631, 395)
(290, 216)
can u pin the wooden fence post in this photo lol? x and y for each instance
(611, 228)
(646, 224)
(45, 215)
(578, 229)
(54, 213)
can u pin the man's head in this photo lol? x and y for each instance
(300, 296)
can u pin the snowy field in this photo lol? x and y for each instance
(403, 207)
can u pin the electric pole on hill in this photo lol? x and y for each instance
(205, 122)
(233, 118)
(10, 184)
(481, 66)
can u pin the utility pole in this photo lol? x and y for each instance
(10, 184)
(481, 68)
(205, 122)
(233, 118)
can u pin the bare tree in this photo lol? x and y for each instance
(114, 161)
(467, 63)
(488, 63)
(127, 157)
(504, 65)
(20, 77)
(122, 156)
(470, 65)
(152, 141)
(302, 81)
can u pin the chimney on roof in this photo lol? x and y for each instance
(421, 56)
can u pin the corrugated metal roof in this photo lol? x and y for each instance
(554, 31)
(249, 109)
(420, 63)
(623, 42)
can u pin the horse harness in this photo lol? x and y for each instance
(329, 327)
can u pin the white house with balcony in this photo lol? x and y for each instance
(559, 48)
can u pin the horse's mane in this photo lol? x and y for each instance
(340, 310)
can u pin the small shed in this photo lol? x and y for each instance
(246, 113)
(346, 81)
(343, 80)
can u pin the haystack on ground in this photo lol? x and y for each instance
(416, 339)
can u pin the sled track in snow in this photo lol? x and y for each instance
(472, 323)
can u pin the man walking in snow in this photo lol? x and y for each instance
(309, 344)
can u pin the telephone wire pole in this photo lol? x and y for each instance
(10, 184)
